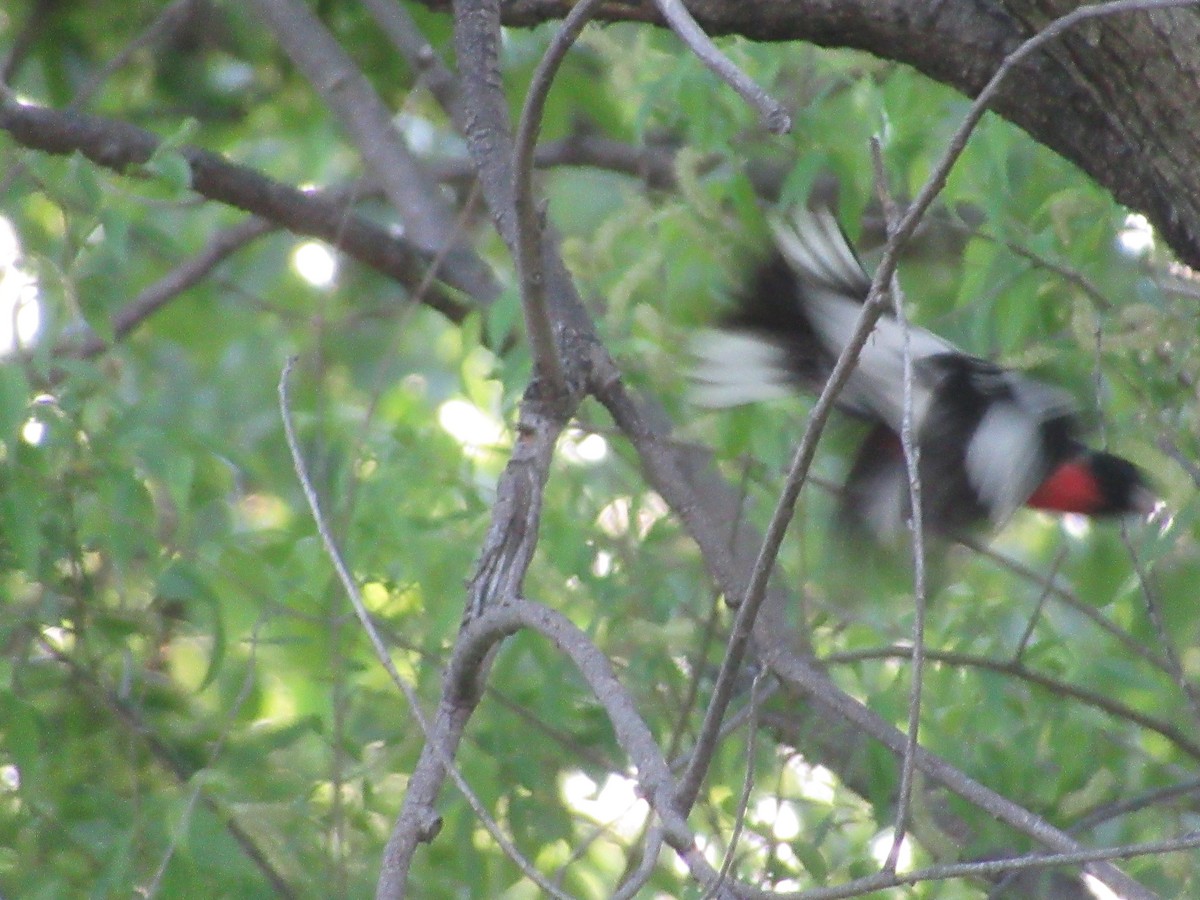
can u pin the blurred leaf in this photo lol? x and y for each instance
(182, 583)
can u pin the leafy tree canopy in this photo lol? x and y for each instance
(194, 193)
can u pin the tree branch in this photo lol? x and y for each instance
(774, 117)
(122, 147)
(804, 676)
(1101, 101)
(632, 733)
(530, 229)
(428, 217)
(423, 822)
(1056, 686)
(191, 272)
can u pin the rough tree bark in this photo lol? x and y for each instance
(1117, 96)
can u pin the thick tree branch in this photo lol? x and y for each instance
(122, 147)
(1118, 100)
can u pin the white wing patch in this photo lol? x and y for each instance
(816, 248)
(877, 383)
(734, 368)
(1004, 460)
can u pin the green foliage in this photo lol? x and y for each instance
(183, 677)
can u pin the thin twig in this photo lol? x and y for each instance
(192, 271)
(862, 886)
(775, 117)
(731, 724)
(1154, 611)
(1110, 811)
(402, 30)
(651, 850)
(739, 821)
(1038, 260)
(755, 592)
(1184, 742)
(912, 463)
(937, 178)
(1068, 599)
(1043, 596)
(381, 652)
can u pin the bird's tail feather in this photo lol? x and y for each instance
(814, 245)
(734, 367)
(767, 343)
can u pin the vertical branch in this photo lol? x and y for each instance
(756, 586)
(530, 221)
(912, 463)
(513, 533)
(739, 821)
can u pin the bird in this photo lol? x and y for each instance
(989, 439)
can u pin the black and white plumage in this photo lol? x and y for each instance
(991, 440)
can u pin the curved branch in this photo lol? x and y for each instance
(530, 230)
(774, 117)
(632, 732)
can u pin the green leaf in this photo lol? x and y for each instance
(183, 583)
(14, 402)
(171, 169)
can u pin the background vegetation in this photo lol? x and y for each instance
(189, 705)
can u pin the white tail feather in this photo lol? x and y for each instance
(813, 244)
(734, 368)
